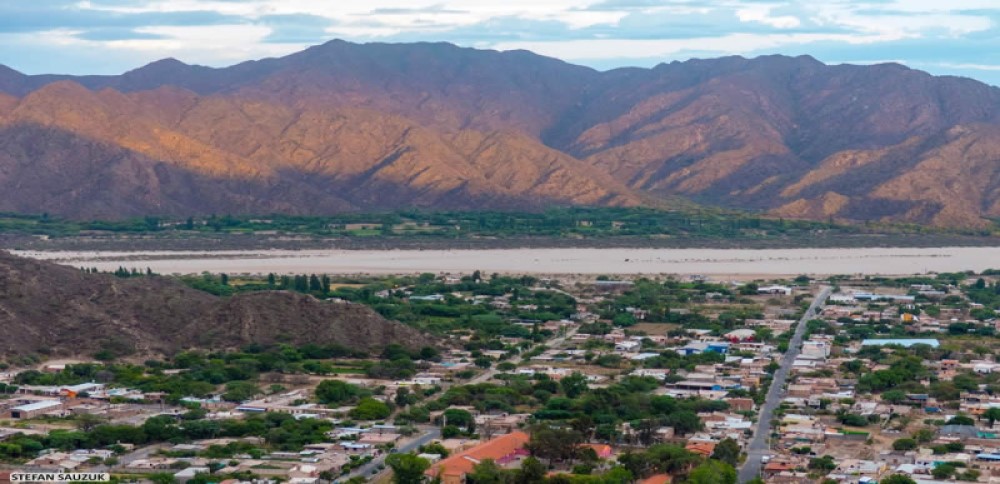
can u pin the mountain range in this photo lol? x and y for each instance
(351, 127)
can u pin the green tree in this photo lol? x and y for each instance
(943, 471)
(532, 471)
(574, 385)
(671, 459)
(618, 475)
(161, 478)
(450, 431)
(554, 443)
(240, 391)
(402, 397)
(335, 392)
(684, 422)
(971, 475)
(853, 420)
(487, 472)
(923, 435)
(728, 451)
(87, 422)
(825, 463)
(370, 409)
(898, 479)
(961, 420)
(459, 418)
(434, 448)
(991, 415)
(407, 468)
(904, 444)
(894, 396)
(713, 472)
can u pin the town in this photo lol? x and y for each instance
(560, 379)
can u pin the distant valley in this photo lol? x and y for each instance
(344, 127)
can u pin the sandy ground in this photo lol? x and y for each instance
(719, 263)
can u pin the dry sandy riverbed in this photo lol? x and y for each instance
(717, 262)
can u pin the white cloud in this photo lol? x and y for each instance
(603, 32)
(974, 67)
(762, 14)
(669, 48)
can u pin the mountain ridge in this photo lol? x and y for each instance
(384, 126)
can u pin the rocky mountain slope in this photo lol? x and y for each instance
(379, 126)
(58, 310)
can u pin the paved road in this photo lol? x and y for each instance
(430, 434)
(776, 392)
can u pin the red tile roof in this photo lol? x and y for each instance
(779, 466)
(463, 462)
(701, 448)
(656, 479)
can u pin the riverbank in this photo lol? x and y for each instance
(228, 241)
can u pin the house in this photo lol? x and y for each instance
(858, 469)
(55, 460)
(775, 289)
(627, 346)
(698, 347)
(658, 373)
(738, 335)
(73, 391)
(775, 467)
(865, 296)
(502, 422)
(35, 409)
(379, 438)
(189, 473)
(703, 449)
(501, 449)
(740, 404)
(817, 348)
(842, 299)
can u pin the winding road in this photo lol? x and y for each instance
(758, 447)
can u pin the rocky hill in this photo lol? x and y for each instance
(343, 126)
(57, 310)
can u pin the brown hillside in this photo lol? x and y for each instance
(58, 310)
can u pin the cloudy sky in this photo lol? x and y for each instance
(960, 37)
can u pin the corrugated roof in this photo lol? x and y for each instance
(42, 405)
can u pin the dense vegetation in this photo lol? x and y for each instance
(280, 431)
(556, 222)
(238, 372)
(427, 303)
